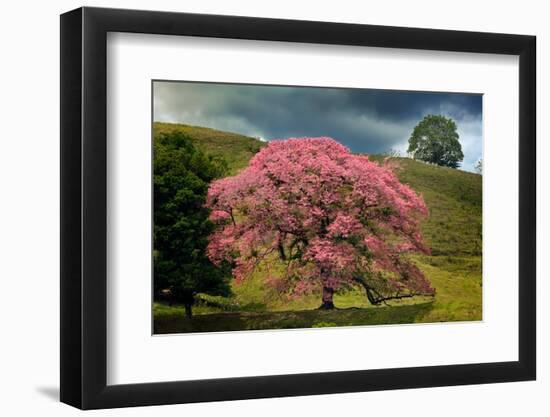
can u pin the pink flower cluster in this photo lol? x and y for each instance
(329, 216)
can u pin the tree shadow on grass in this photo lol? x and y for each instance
(246, 320)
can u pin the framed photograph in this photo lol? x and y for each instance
(257, 208)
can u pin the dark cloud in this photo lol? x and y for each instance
(368, 121)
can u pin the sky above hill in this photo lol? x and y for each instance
(367, 121)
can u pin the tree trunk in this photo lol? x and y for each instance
(327, 304)
(188, 310)
(188, 299)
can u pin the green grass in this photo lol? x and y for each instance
(454, 199)
(292, 319)
(452, 231)
(458, 298)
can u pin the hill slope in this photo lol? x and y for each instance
(234, 148)
(454, 197)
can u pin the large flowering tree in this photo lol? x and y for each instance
(318, 218)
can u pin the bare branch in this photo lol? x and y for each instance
(375, 298)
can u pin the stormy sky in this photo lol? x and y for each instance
(367, 121)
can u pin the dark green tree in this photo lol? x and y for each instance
(435, 140)
(181, 175)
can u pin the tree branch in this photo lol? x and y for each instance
(232, 218)
(375, 298)
(281, 248)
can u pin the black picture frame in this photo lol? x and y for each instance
(84, 207)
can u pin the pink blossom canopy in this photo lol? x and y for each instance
(332, 219)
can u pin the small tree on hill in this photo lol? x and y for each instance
(435, 140)
(319, 218)
(181, 226)
(479, 166)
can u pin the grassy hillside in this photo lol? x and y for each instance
(453, 196)
(234, 148)
(454, 199)
(453, 232)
